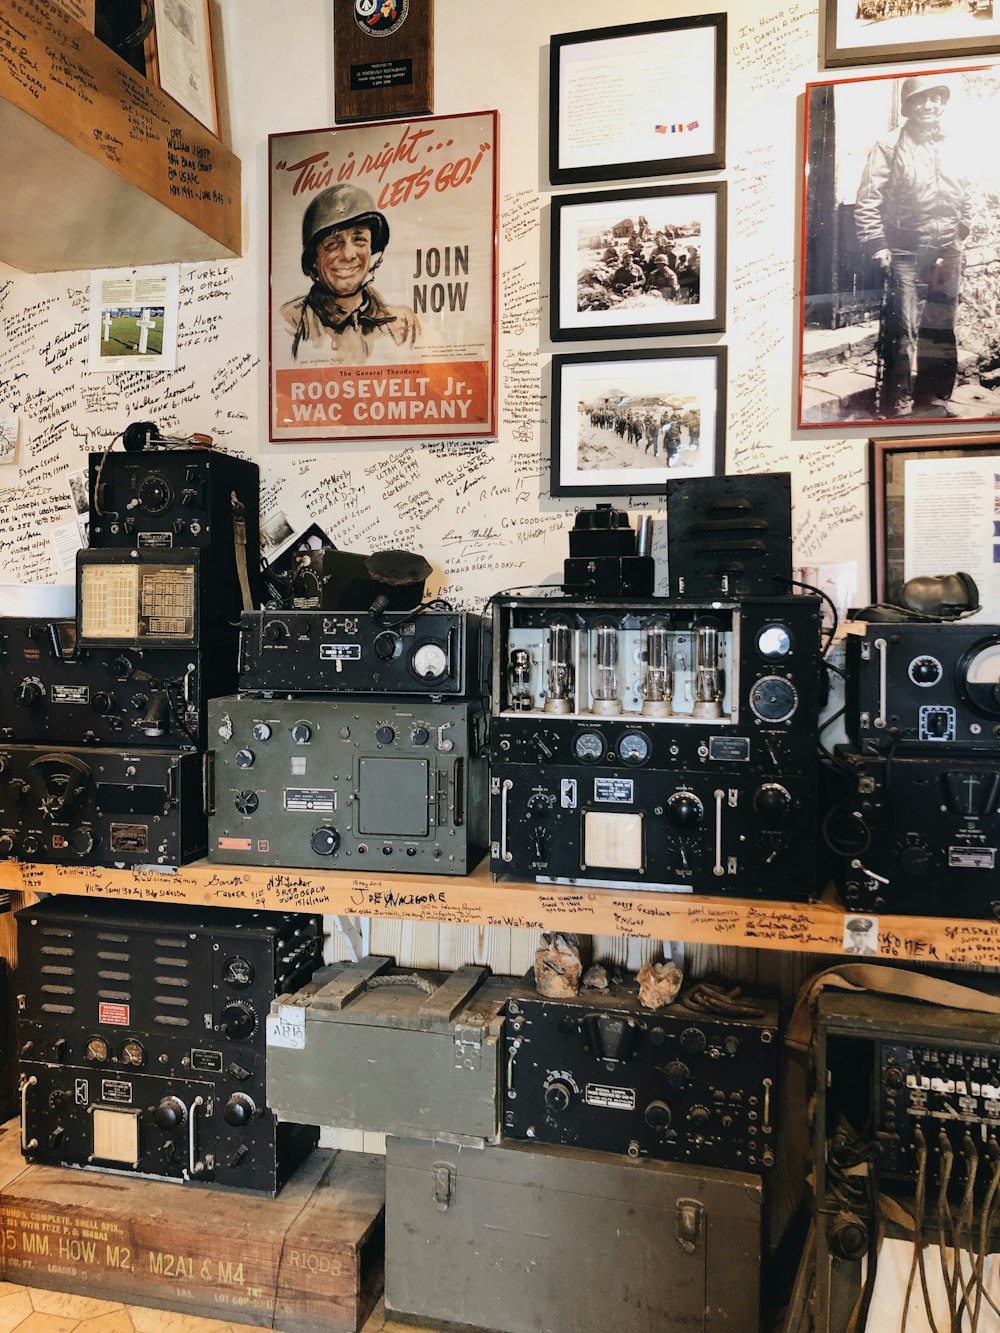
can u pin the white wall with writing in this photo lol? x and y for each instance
(480, 511)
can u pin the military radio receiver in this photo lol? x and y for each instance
(349, 784)
(661, 742)
(141, 1038)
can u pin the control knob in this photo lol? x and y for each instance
(540, 804)
(239, 1110)
(103, 703)
(693, 1041)
(81, 842)
(677, 1074)
(238, 1020)
(6, 844)
(558, 1096)
(772, 802)
(301, 733)
(684, 809)
(28, 693)
(915, 859)
(246, 802)
(386, 645)
(170, 1114)
(275, 631)
(385, 735)
(325, 840)
(658, 1115)
(244, 758)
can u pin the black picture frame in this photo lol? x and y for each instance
(887, 459)
(855, 33)
(597, 396)
(686, 296)
(652, 83)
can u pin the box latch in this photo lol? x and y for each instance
(468, 1046)
(444, 1184)
(687, 1223)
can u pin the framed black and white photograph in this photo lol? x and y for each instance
(900, 308)
(623, 423)
(644, 99)
(876, 32)
(936, 510)
(634, 263)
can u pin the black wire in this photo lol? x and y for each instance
(832, 631)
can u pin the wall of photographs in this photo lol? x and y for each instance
(718, 358)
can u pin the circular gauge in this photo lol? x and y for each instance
(925, 670)
(155, 494)
(238, 972)
(979, 678)
(634, 748)
(97, 1050)
(133, 1053)
(774, 641)
(773, 699)
(588, 747)
(429, 661)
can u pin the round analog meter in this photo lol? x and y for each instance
(238, 972)
(97, 1050)
(132, 1053)
(981, 668)
(773, 699)
(589, 747)
(774, 641)
(634, 748)
(429, 661)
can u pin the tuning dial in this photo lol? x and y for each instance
(28, 693)
(103, 703)
(699, 1116)
(6, 844)
(894, 1077)
(677, 1074)
(30, 845)
(246, 802)
(540, 804)
(301, 733)
(238, 1111)
(275, 631)
(170, 1114)
(419, 736)
(925, 670)
(658, 1115)
(915, 859)
(385, 735)
(122, 668)
(772, 802)
(693, 1041)
(244, 758)
(558, 1096)
(238, 1020)
(81, 842)
(261, 731)
(325, 840)
(684, 809)
(387, 646)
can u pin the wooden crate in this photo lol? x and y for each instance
(310, 1259)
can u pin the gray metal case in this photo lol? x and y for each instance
(532, 1239)
(376, 1047)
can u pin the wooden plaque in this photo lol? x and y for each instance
(383, 58)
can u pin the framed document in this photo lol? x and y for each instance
(871, 32)
(179, 58)
(646, 99)
(383, 58)
(624, 423)
(936, 510)
(383, 272)
(639, 263)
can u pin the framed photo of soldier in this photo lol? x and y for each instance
(383, 280)
(624, 422)
(643, 99)
(634, 263)
(876, 32)
(900, 291)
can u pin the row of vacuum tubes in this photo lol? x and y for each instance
(591, 670)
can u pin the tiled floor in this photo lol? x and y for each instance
(30, 1310)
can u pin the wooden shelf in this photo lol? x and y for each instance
(102, 169)
(475, 900)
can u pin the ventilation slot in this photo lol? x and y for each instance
(52, 970)
(171, 943)
(172, 1001)
(49, 989)
(122, 995)
(169, 1021)
(51, 950)
(172, 981)
(114, 976)
(107, 957)
(60, 934)
(112, 939)
(171, 962)
(58, 1009)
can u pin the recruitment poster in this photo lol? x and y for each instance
(383, 280)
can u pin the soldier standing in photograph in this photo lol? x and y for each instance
(912, 215)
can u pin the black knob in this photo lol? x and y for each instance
(658, 1115)
(915, 860)
(275, 631)
(246, 802)
(28, 693)
(238, 1111)
(6, 844)
(325, 840)
(894, 1076)
(386, 646)
(677, 1074)
(31, 845)
(925, 671)
(261, 731)
(385, 735)
(170, 1114)
(684, 809)
(698, 1115)
(731, 1045)
(238, 1020)
(56, 1136)
(103, 703)
(81, 842)
(772, 802)
(849, 1236)
(121, 668)
(419, 736)
(540, 804)
(301, 733)
(244, 758)
(693, 1040)
(558, 1096)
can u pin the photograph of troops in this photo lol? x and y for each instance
(636, 263)
(622, 430)
(901, 279)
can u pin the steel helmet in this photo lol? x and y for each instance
(339, 206)
(922, 83)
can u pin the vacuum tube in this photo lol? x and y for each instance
(709, 682)
(519, 676)
(605, 695)
(559, 674)
(657, 683)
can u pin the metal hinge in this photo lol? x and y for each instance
(688, 1217)
(444, 1184)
